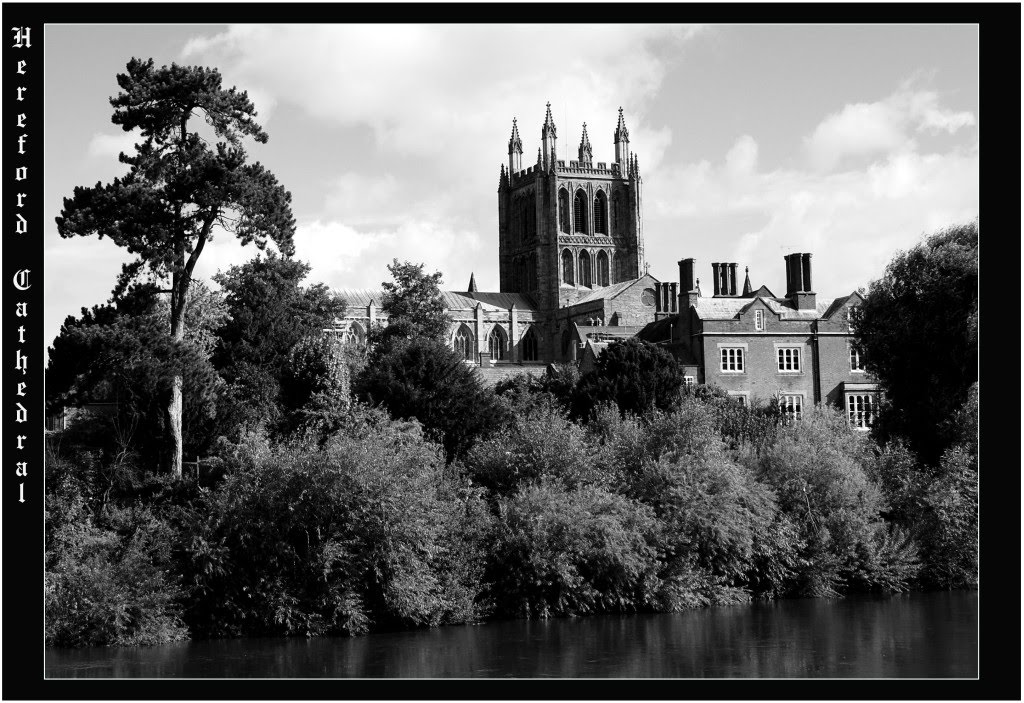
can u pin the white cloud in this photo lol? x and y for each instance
(741, 160)
(852, 221)
(108, 146)
(880, 128)
(347, 257)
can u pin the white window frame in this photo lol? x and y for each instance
(789, 355)
(732, 355)
(791, 410)
(689, 380)
(741, 397)
(861, 409)
(759, 320)
(855, 353)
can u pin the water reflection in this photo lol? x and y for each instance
(914, 635)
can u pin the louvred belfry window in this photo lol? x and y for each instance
(600, 214)
(579, 212)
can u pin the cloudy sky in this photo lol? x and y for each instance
(848, 141)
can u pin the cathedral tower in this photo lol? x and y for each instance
(568, 228)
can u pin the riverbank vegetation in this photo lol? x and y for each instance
(345, 488)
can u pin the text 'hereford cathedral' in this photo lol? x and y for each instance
(573, 279)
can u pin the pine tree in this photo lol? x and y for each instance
(180, 189)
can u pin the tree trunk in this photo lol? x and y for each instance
(179, 290)
(174, 418)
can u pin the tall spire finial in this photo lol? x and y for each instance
(621, 133)
(548, 135)
(748, 290)
(515, 150)
(549, 124)
(586, 153)
(472, 283)
(622, 143)
(514, 142)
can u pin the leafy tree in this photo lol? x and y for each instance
(424, 379)
(270, 313)
(315, 386)
(179, 188)
(918, 330)
(636, 375)
(413, 304)
(122, 352)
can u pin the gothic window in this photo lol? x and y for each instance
(496, 343)
(567, 276)
(616, 214)
(354, 334)
(563, 210)
(603, 278)
(529, 345)
(579, 212)
(463, 342)
(600, 213)
(585, 278)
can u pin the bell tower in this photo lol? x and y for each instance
(568, 228)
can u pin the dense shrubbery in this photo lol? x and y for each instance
(361, 489)
(364, 531)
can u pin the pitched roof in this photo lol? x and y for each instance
(453, 300)
(605, 292)
(360, 297)
(729, 308)
(459, 300)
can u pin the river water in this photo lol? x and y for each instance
(932, 635)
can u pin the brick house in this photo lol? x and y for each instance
(753, 344)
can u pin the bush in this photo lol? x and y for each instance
(363, 532)
(949, 524)
(544, 444)
(817, 469)
(107, 581)
(561, 551)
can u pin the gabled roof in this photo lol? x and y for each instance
(839, 303)
(785, 310)
(729, 308)
(720, 308)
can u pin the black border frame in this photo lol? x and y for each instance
(999, 68)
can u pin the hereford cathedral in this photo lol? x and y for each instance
(573, 279)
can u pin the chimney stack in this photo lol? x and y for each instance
(798, 281)
(687, 285)
(732, 279)
(716, 277)
(658, 307)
